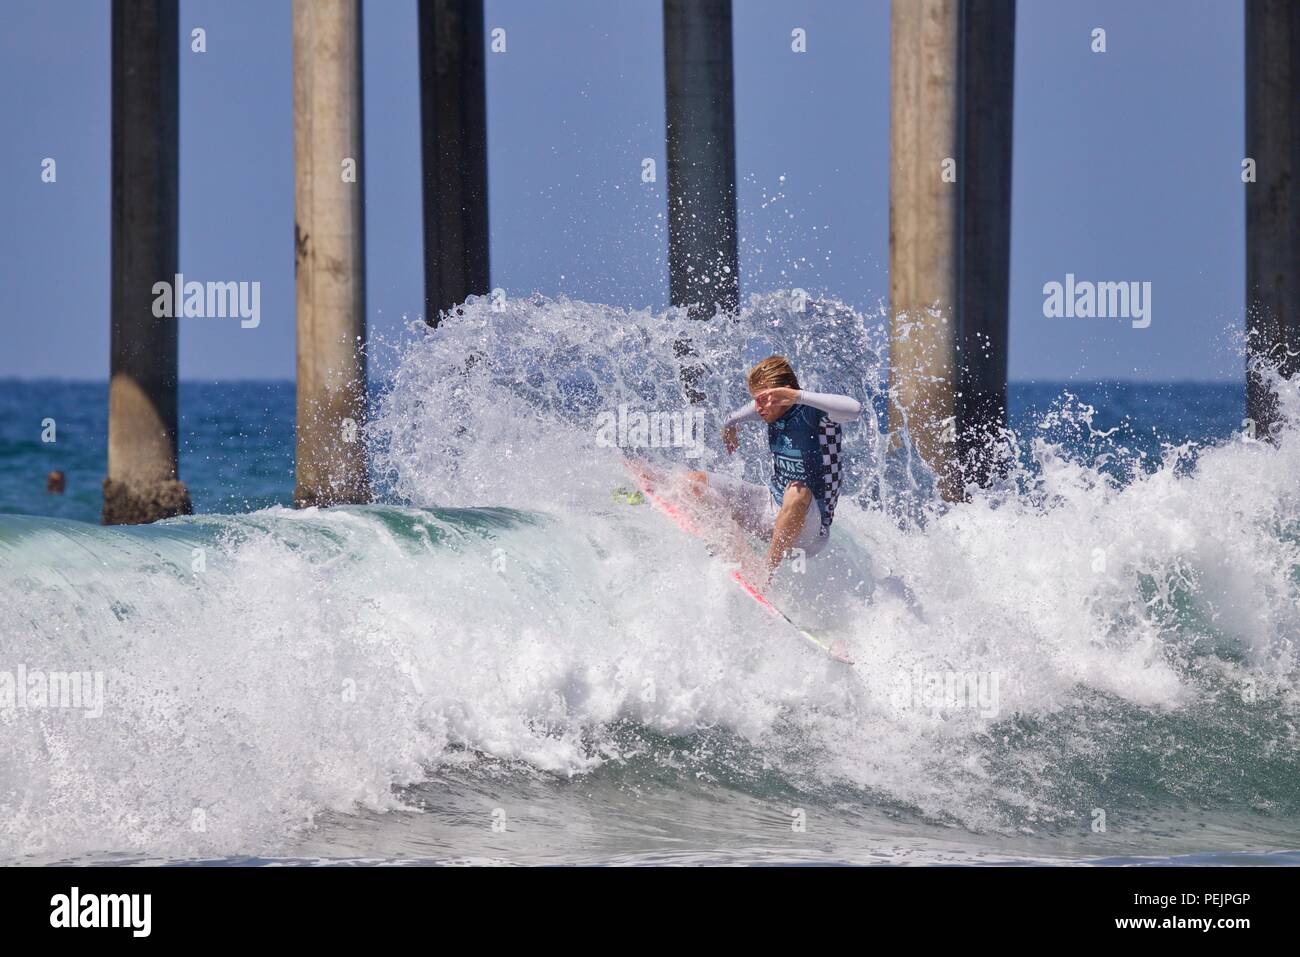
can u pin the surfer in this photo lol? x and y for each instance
(797, 507)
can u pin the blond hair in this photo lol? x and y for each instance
(771, 373)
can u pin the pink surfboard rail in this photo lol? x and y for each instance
(643, 475)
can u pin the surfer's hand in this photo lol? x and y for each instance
(730, 441)
(775, 400)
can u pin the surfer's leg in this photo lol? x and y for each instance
(797, 511)
(748, 505)
(811, 540)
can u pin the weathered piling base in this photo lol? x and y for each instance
(138, 503)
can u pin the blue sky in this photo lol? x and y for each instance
(1127, 167)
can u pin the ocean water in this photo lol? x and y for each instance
(1095, 661)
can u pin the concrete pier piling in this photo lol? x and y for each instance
(949, 230)
(453, 129)
(143, 483)
(329, 252)
(703, 271)
(1273, 199)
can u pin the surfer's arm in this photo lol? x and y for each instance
(841, 408)
(744, 413)
(729, 424)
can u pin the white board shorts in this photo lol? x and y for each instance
(754, 508)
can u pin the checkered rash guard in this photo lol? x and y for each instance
(805, 444)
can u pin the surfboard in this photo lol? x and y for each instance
(648, 481)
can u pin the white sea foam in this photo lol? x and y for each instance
(322, 659)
